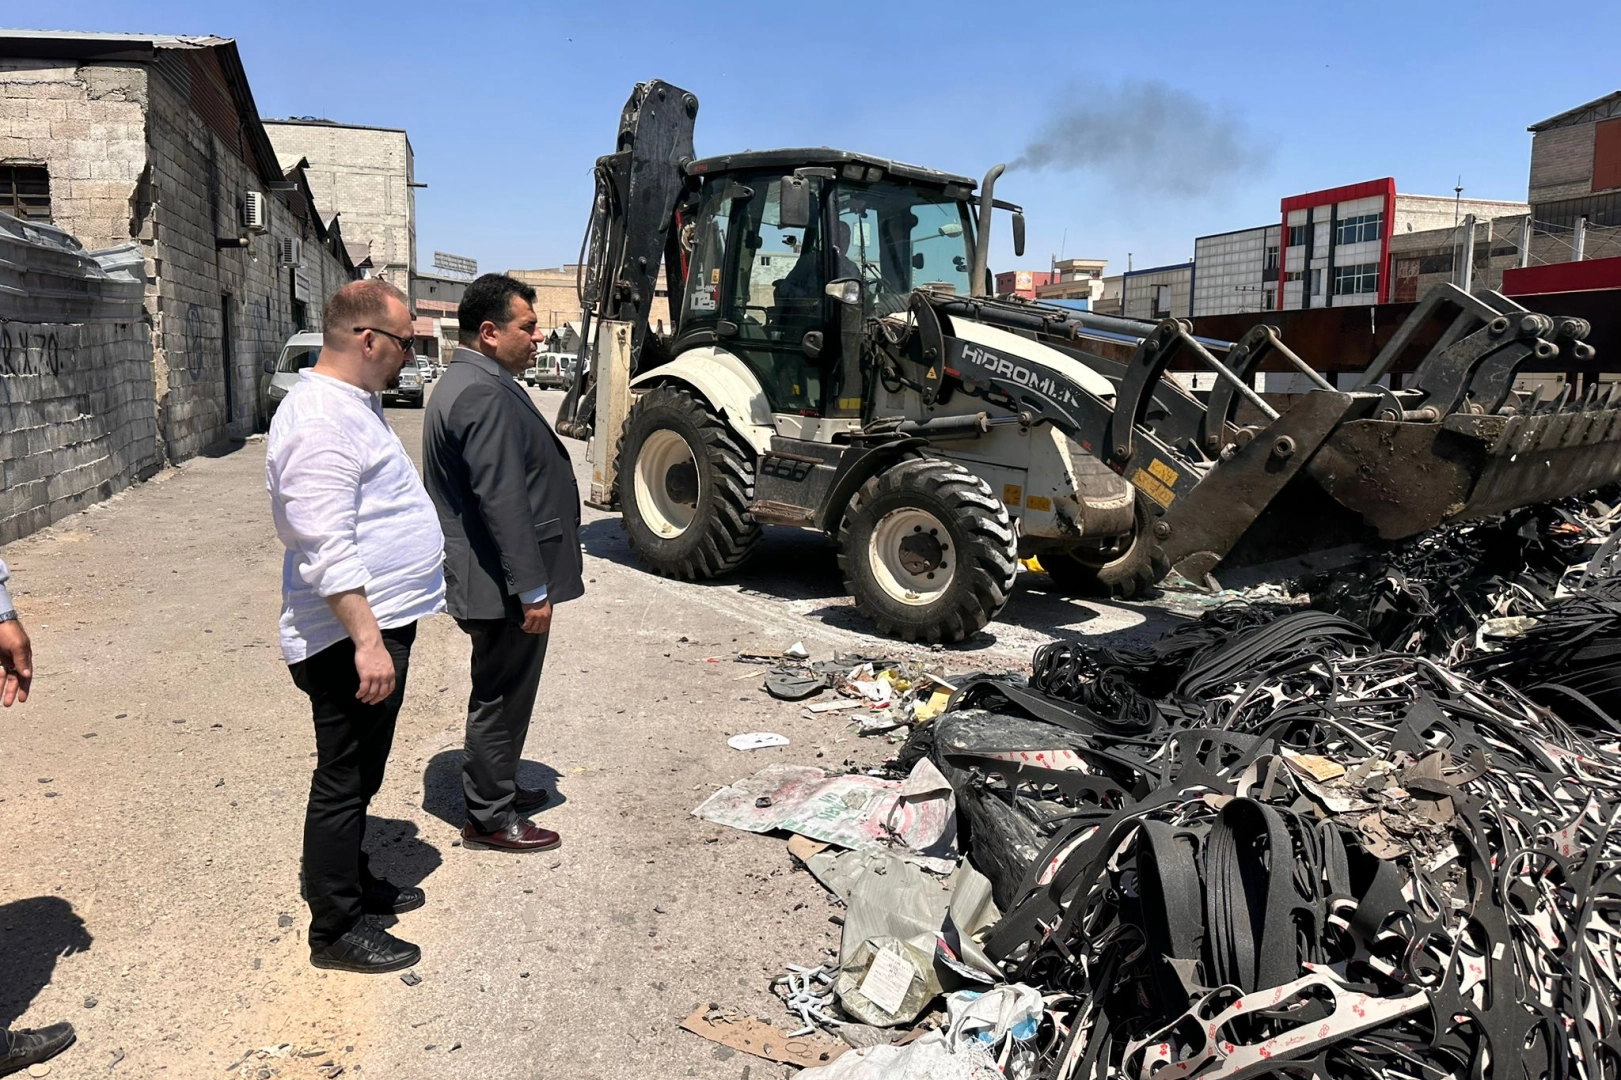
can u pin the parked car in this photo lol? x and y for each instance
(281, 374)
(547, 372)
(411, 388)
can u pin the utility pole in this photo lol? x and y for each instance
(1457, 202)
(1128, 262)
(1579, 241)
(1468, 283)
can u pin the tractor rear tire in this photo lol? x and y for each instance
(683, 487)
(1119, 572)
(928, 551)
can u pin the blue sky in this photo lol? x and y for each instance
(508, 105)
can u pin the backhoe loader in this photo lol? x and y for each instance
(834, 363)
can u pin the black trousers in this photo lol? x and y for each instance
(506, 675)
(352, 741)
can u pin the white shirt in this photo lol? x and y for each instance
(352, 513)
(5, 598)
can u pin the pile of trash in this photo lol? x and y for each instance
(1357, 863)
(1433, 594)
(1381, 840)
(882, 694)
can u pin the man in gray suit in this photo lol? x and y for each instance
(510, 511)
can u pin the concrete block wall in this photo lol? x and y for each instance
(1562, 163)
(364, 174)
(128, 159)
(77, 418)
(198, 187)
(87, 124)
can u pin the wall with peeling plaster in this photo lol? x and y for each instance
(130, 159)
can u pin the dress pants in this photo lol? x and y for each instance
(352, 741)
(506, 675)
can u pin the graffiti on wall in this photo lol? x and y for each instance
(193, 333)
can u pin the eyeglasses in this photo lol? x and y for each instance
(406, 344)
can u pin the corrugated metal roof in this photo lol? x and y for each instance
(1597, 107)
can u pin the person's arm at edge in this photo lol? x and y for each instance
(16, 651)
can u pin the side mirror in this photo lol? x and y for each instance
(270, 367)
(795, 209)
(1018, 234)
(845, 291)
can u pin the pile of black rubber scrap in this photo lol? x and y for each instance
(1432, 594)
(1293, 854)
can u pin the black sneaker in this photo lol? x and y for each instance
(367, 949)
(30, 1047)
(384, 898)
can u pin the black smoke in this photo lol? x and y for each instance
(1149, 137)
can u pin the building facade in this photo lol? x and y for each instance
(1158, 292)
(367, 176)
(1575, 183)
(1022, 282)
(1237, 271)
(1336, 242)
(557, 296)
(156, 140)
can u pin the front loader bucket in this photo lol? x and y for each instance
(1403, 478)
(1456, 442)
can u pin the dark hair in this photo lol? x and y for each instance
(359, 303)
(489, 299)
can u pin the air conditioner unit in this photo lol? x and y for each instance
(290, 250)
(254, 212)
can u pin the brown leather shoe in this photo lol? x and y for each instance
(521, 835)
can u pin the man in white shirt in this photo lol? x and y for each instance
(25, 1047)
(364, 562)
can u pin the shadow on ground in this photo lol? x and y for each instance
(397, 853)
(34, 934)
(442, 786)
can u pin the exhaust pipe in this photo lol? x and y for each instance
(982, 242)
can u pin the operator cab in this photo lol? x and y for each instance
(770, 237)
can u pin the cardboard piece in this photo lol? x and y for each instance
(759, 1038)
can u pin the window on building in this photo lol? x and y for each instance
(1162, 301)
(1354, 230)
(25, 192)
(1269, 299)
(1317, 283)
(1353, 280)
(1297, 235)
(1271, 262)
(1295, 275)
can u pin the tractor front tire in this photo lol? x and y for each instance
(928, 551)
(684, 486)
(1120, 570)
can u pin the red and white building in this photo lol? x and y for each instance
(1336, 242)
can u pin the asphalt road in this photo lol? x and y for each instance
(151, 799)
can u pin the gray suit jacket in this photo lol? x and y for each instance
(505, 490)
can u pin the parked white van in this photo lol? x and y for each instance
(300, 352)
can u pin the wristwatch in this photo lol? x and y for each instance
(8, 616)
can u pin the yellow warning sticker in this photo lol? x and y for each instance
(849, 403)
(714, 276)
(1163, 472)
(1039, 502)
(1012, 494)
(1153, 488)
